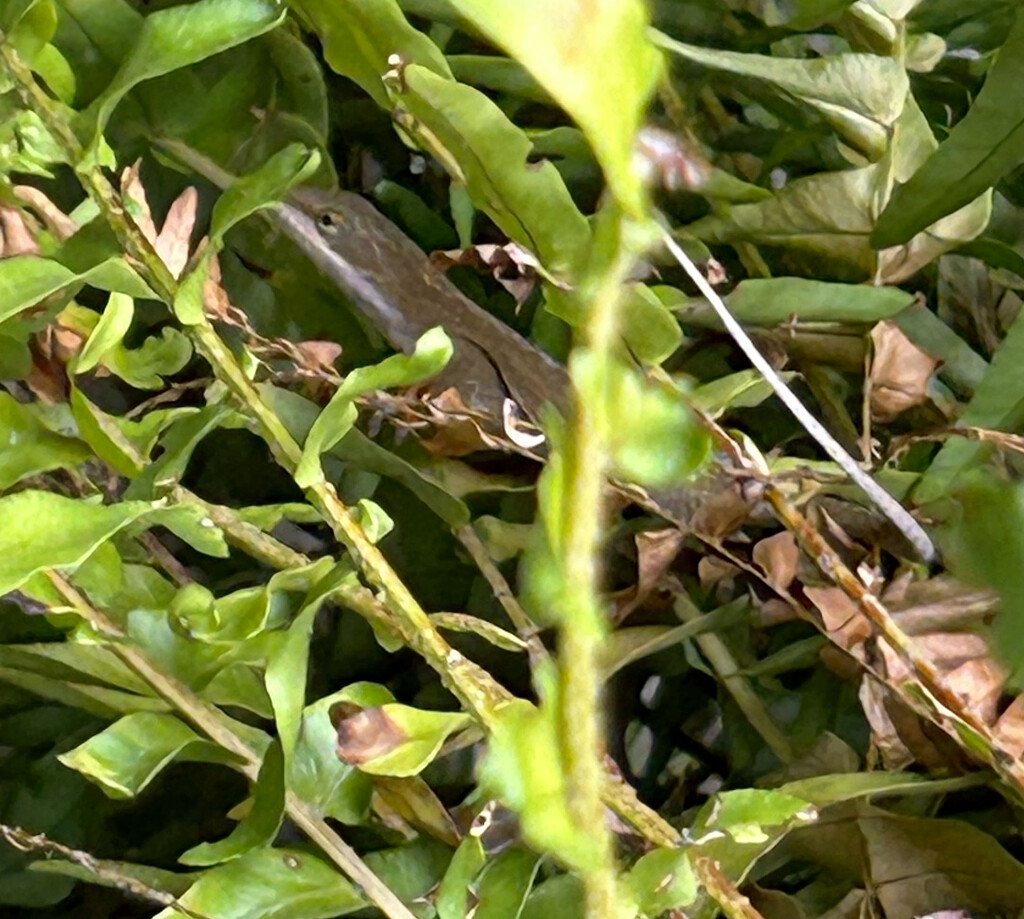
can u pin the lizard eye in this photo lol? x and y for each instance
(327, 220)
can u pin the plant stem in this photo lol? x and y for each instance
(583, 622)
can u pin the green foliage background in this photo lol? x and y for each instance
(206, 556)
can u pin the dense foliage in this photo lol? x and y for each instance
(295, 623)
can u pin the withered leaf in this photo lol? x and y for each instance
(364, 734)
(900, 372)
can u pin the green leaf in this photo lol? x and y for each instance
(483, 150)
(44, 530)
(25, 280)
(412, 870)
(662, 880)
(180, 36)
(561, 896)
(656, 440)
(452, 899)
(524, 768)
(146, 366)
(433, 351)
(982, 148)
(359, 38)
(986, 544)
(559, 47)
(833, 213)
(129, 754)
(315, 773)
(271, 884)
(190, 523)
(746, 812)
(109, 331)
(998, 403)
(28, 447)
(505, 883)
(859, 95)
(259, 826)
(262, 187)
(775, 301)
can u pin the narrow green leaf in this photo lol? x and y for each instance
(452, 900)
(287, 668)
(179, 36)
(775, 301)
(482, 149)
(986, 145)
(272, 884)
(259, 826)
(128, 755)
(433, 351)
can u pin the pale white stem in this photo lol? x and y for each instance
(885, 502)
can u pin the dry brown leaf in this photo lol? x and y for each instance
(172, 242)
(774, 611)
(713, 570)
(57, 222)
(1009, 729)
(317, 356)
(884, 736)
(16, 236)
(655, 551)
(723, 512)
(133, 189)
(216, 301)
(979, 683)
(512, 266)
(847, 626)
(900, 372)
(364, 734)
(779, 558)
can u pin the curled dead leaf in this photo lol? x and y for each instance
(1009, 729)
(57, 222)
(173, 241)
(900, 372)
(133, 191)
(847, 626)
(17, 237)
(779, 558)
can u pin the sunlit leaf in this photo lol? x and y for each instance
(28, 447)
(271, 883)
(559, 45)
(129, 754)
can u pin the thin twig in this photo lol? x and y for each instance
(900, 517)
(102, 869)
